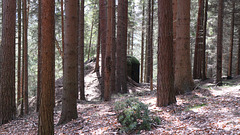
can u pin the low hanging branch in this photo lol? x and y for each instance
(59, 48)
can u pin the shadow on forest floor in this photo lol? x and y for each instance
(206, 110)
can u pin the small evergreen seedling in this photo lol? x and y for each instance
(134, 115)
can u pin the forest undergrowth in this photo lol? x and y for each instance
(208, 109)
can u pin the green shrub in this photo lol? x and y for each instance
(134, 115)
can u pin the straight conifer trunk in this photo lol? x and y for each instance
(175, 3)
(98, 49)
(197, 53)
(165, 81)
(229, 75)
(149, 40)
(90, 42)
(39, 56)
(108, 58)
(81, 51)
(219, 42)
(142, 50)
(19, 52)
(25, 53)
(113, 68)
(204, 69)
(46, 122)
(103, 28)
(183, 76)
(238, 62)
(70, 71)
(7, 61)
(121, 58)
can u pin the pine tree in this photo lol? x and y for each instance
(219, 42)
(183, 76)
(46, 122)
(7, 62)
(70, 79)
(121, 51)
(165, 81)
(81, 51)
(229, 75)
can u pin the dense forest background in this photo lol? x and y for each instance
(53, 74)
(134, 29)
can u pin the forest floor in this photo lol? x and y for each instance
(206, 110)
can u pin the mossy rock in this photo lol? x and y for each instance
(133, 68)
(132, 60)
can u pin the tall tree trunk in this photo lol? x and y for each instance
(62, 21)
(204, 69)
(98, 49)
(23, 67)
(183, 76)
(151, 49)
(103, 28)
(70, 80)
(149, 40)
(229, 75)
(238, 62)
(165, 81)
(39, 57)
(121, 58)
(219, 42)
(197, 54)
(113, 68)
(108, 59)
(143, 31)
(90, 43)
(19, 52)
(7, 61)
(25, 46)
(128, 43)
(46, 122)
(174, 6)
(81, 52)
(146, 59)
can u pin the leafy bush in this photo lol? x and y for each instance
(134, 115)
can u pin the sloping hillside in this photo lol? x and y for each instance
(206, 110)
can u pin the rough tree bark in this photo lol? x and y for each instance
(143, 31)
(19, 52)
(25, 57)
(121, 58)
(165, 81)
(98, 49)
(113, 68)
(197, 53)
(7, 61)
(46, 122)
(81, 52)
(108, 58)
(219, 42)
(70, 71)
(183, 76)
(238, 62)
(204, 69)
(90, 42)
(103, 27)
(174, 6)
(39, 57)
(229, 75)
(149, 44)
(151, 49)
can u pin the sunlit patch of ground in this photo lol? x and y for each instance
(206, 110)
